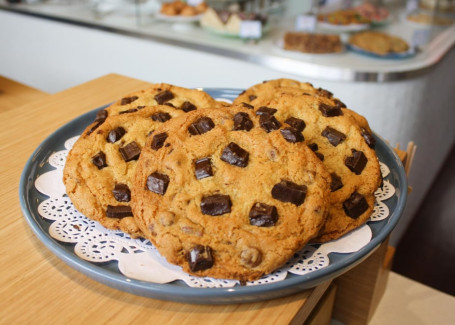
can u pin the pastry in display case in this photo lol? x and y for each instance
(228, 23)
(380, 44)
(439, 5)
(316, 43)
(376, 14)
(424, 18)
(180, 8)
(343, 20)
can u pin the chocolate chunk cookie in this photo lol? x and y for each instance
(260, 94)
(339, 137)
(99, 169)
(222, 197)
(180, 98)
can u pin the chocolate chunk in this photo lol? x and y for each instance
(200, 258)
(251, 256)
(263, 215)
(131, 110)
(119, 211)
(158, 140)
(252, 97)
(201, 126)
(296, 123)
(116, 134)
(266, 110)
(128, 100)
(203, 168)
(99, 119)
(233, 154)
(357, 162)
(324, 93)
(242, 122)
(291, 135)
(335, 137)
(187, 106)
(101, 115)
(122, 192)
(269, 122)
(355, 205)
(369, 139)
(130, 152)
(94, 127)
(339, 103)
(330, 111)
(336, 183)
(161, 117)
(319, 155)
(287, 191)
(158, 183)
(246, 105)
(163, 97)
(313, 146)
(99, 160)
(216, 205)
(170, 105)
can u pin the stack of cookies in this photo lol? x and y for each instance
(226, 191)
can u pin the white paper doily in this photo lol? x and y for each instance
(139, 259)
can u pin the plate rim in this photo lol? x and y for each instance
(172, 292)
(393, 56)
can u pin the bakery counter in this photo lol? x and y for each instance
(267, 52)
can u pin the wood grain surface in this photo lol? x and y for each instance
(38, 288)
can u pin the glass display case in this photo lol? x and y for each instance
(373, 40)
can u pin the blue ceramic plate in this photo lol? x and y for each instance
(404, 55)
(108, 274)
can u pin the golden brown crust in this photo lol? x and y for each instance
(302, 100)
(312, 43)
(89, 187)
(148, 97)
(378, 42)
(175, 223)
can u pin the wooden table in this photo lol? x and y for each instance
(38, 288)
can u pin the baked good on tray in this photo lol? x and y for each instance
(264, 92)
(372, 12)
(227, 22)
(379, 43)
(226, 191)
(100, 167)
(340, 137)
(220, 195)
(430, 19)
(312, 43)
(180, 8)
(343, 17)
(185, 99)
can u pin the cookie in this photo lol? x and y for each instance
(379, 43)
(261, 94)
(177, 97)
(312, 43)
(221, 197)
(339, 137)
(99, 168)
